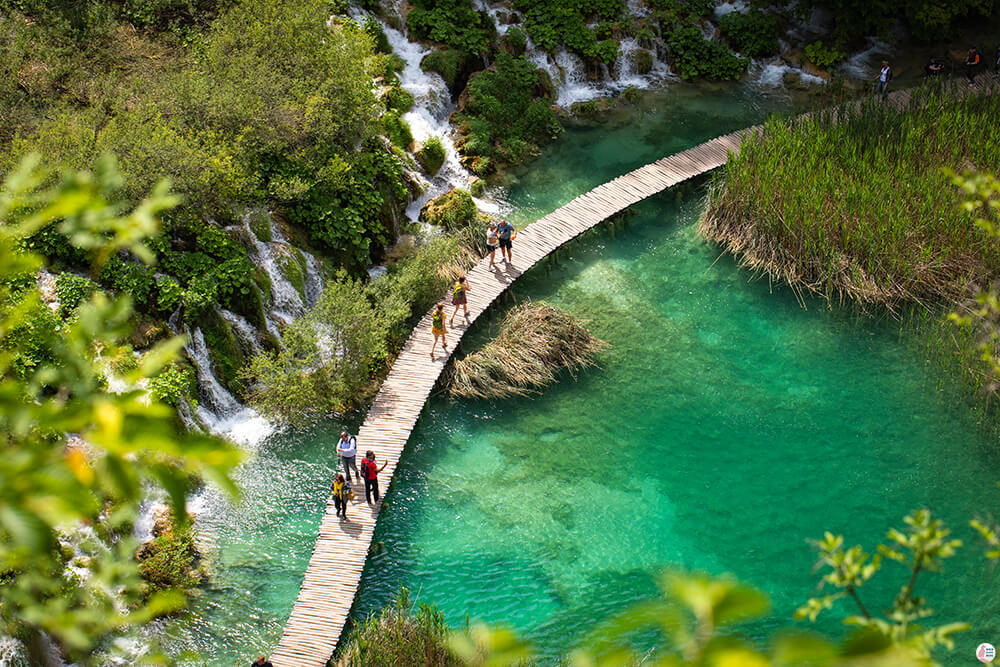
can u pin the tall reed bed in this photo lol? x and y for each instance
(536, 341)
(852, 203)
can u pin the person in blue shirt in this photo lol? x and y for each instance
(347, 447)
(504, 231)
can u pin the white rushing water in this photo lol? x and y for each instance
(217, 409)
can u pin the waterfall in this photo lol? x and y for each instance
(244, 331)
(217, 410)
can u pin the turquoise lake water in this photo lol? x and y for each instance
(725, 426)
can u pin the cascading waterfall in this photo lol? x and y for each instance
(217, 410)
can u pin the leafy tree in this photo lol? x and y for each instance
(52, 494)
(753, 34)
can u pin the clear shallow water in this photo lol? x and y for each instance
(725, 426)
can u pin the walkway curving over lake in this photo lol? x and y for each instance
(334, 572)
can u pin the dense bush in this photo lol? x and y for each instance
(173, 384)
(929, 20)
(823, 56)
(553, 24)
(503, 118)
(693, 56)
(170, 561)
(397, 129)
(449, 63)
(454, 210)
(455, 23)
(72, 290)
(515, 40)
(753, 34)
(397, 99)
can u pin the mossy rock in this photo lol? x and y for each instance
(292, 265)
(398, 99)
(260, 225)
(477, 187)
(449, 63)
(544, 87)
(452, 210)
(171, 559)
(479, 165)
(431, 155)
(224, 351)
(643, 61)
(397, 129)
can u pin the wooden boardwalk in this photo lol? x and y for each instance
(331, 580)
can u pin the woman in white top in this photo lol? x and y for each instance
(884, 77)
(492, 241)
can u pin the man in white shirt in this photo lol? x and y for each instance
(347, 447)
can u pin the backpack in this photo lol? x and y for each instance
(366, 469)
(457, 290)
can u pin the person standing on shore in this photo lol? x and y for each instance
(884, 77)
(341, 492)
(261, 661)
(972, 62)
(458, 298)
(370, 471)
(492, 241)
(347, 447)
(505, 230)
(437, 328)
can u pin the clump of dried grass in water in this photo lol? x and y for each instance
(536, 341)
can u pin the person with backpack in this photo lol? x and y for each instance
(882, 82)
(458, 298)
(505, 230)
(347, 447)
(370, 471)
(437, 327)
(972, 62)
(341, 494)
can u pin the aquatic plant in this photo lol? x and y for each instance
(536, 341)
(858, 209)
(403, 633)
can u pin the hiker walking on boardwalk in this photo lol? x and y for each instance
(505, 230)
(370, 471)
(341, 494)
(884, 77)
(347, 447)
(972, 62)
(437, 327)
(458, 298)
(492, 241)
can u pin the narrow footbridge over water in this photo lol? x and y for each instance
(334, 572)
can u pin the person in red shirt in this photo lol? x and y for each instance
(369, 472)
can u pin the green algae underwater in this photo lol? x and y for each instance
(726, 425)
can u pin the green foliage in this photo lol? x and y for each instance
(449, 63)
(928, 20)
(403, 633)
(822, 56)
(922, 546)
(374, 30)
(454, 23)
(131, 445)
(515, 40)
(552, 24)
(397, 99)
(431, 155)
(505, 120)
(753, 34)
(72, 290)
(306, 379)
(890, 233)
(695, 620)
(170, 561)
(694, 57)
(173, 384)
(454, 210)
(397, 129)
